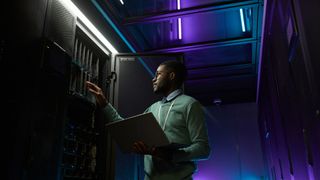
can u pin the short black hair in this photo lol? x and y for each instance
(178, 68)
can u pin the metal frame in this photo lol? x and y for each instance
(204, 45)
(155, 17)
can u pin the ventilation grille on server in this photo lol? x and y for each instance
(61, 25)
(87, 63)
(80, 153)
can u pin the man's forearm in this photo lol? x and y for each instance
(110, 113)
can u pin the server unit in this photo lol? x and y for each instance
(84, 139)
(84, 134)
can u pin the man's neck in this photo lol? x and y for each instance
(170, 91)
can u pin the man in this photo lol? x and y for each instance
(181, 118)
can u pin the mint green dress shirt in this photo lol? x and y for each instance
(182, 119)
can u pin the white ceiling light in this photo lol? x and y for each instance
(76, 11)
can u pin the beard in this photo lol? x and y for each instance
(157, 89)
(161, 87)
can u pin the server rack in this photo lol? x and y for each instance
(84, 153)
(82, 146)
(55, 131)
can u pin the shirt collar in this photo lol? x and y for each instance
(172, 95)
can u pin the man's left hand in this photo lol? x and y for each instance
(141, 148)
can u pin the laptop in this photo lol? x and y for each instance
(142, 127)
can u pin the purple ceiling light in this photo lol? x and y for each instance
(310, 172)
(179, 21)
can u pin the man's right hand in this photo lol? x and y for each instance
(98, 93)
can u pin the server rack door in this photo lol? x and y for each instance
(132, 94)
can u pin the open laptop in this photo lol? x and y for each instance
(142, 127)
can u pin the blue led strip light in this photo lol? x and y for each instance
(242, 20)
(106, 17)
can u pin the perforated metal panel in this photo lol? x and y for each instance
(60, 26)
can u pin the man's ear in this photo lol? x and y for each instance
(172, 76)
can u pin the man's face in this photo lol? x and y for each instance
(161, 81)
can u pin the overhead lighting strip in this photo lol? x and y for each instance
(242, 20)
(178, 4)
(74, 10)
(179, 21)
(179, 28)
(106, 17)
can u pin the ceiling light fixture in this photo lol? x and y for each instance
(179, 22)
(74, 10)
(242, 20)
(179, 28)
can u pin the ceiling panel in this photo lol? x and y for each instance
(220, 41)
(223, 71)
(130, 8)
(219, 56)
(194, 28)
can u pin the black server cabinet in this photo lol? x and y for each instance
(45, 153)
(84, 141)
(52, 129)
(131, 93)
(83, 145)
(68, 140)
(135, 72)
